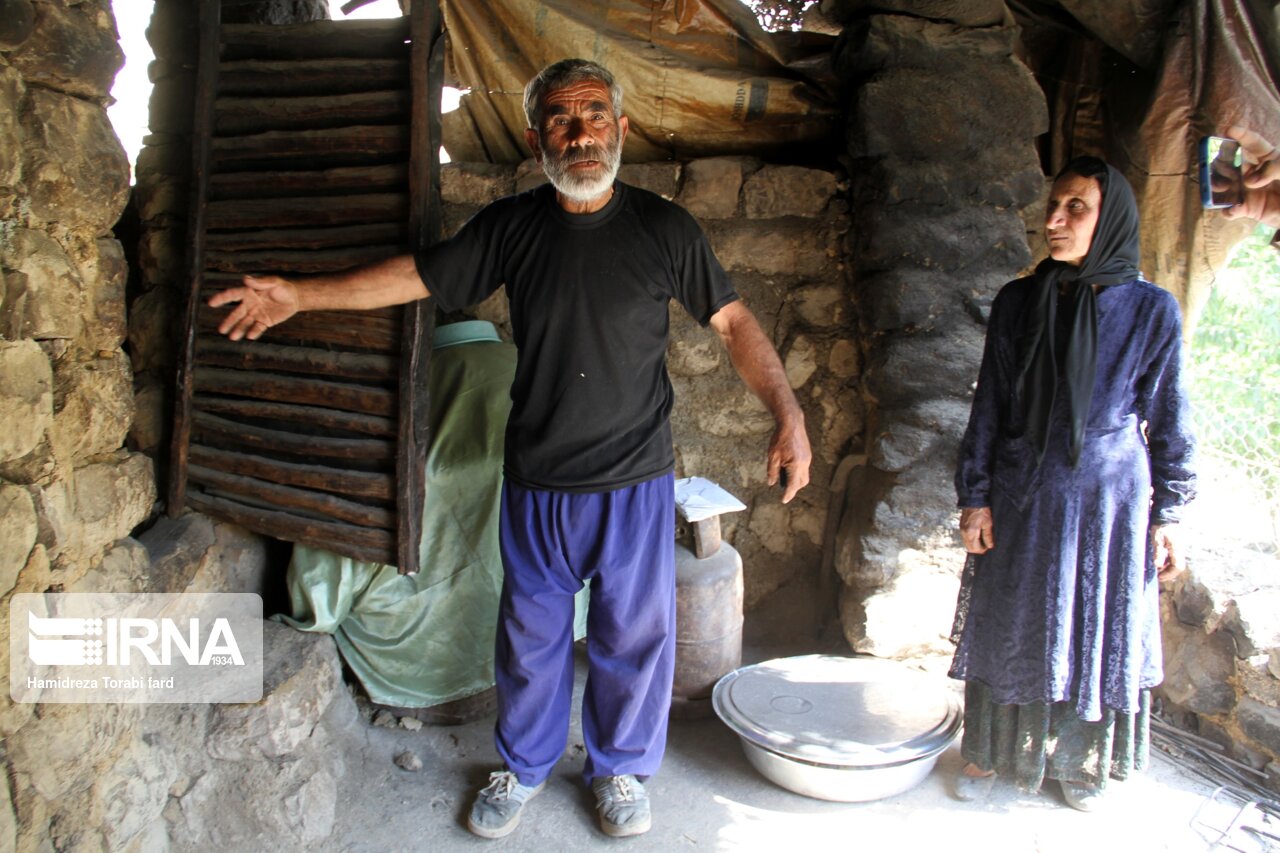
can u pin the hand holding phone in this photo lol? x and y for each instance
(1221, 172)
(1261, 179)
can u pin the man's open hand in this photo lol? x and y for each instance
(263, 302)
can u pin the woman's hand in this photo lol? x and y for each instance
(1171, 558)
(977, 529)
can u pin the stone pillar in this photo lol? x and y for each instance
(942, 119)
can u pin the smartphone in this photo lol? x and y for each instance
(1221, 172)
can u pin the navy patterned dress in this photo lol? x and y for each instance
(1064, 608)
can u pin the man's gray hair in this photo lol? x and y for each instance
(566, 72)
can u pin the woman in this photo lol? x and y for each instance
(1072, 475)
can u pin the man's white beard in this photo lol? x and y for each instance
(584, 188)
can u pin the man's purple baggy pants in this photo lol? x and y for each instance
(622, 541)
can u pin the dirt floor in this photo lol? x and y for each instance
(709, 798)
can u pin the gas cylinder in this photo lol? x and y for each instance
(708, 618)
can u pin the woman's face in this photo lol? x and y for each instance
(1072, 215)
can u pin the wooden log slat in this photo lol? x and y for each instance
(256, 355)
(372, 39)
(206, 426)
(356, 145)
(312, 328)
(320, 211)
(310, 76)
(300, 262)
(359, 484)
(241, 116)
(349, 540)
(209, 25)
(317, 419)
(419, 317)
(373, 234)
(306, 391)
(355, 180)
(289, 497)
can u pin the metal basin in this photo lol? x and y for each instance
(835, 728)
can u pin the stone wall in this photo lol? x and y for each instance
(777, 230)
(942, 120)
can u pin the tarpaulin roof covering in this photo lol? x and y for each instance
(700, 77)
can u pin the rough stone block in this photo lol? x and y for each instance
(777, 191)
(911, 368)
(26, 397)
(1260, 723)
(66, 746)
(843, 361)
(912, 616)
(789, 247)
(43, 293)
(239, 561)
(176, 548)
(734, 412)
(949, 116)
(1198, 671)
(161, 256)
(821, 305)
(124, 568)
(1195, 603)
(693, 357)
(99, 503)
(73, 49)
(1254, 620)
(105, 274)
(711, 187)
(159, 196)
(662, 178)
(12, 92)
(475, 184)
(908, 436)
(843, 415)
(800, 362)
(152, 414)
(1005, 175)
(979, 242)
(93, 403)
(75, 168)
(18, 530)
(153, 324)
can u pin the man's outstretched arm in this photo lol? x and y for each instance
(265, 301)
(757, 362)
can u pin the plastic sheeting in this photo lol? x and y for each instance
(699, 77)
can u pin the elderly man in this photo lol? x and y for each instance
(590, 265)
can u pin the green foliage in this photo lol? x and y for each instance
(1234, 365)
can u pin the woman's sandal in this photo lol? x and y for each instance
(1082, 796)
(970, 788)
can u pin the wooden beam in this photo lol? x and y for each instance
(320, 211)
(307, 391)
(340, 180)
(296, 239)
(359, 484)
(368, 39)
(210, 19)
(426, 79)
(342, 329)
(286, 78)
(292, 498)
(256, 355)
(303, 262)
(352, 146)
(349, 540)
(313, 420)
(242, 116)
(226, 435)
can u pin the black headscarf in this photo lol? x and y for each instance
(1112, 259)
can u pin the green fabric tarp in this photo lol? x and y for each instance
(418, 641)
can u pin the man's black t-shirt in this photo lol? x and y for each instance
(588, 296)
